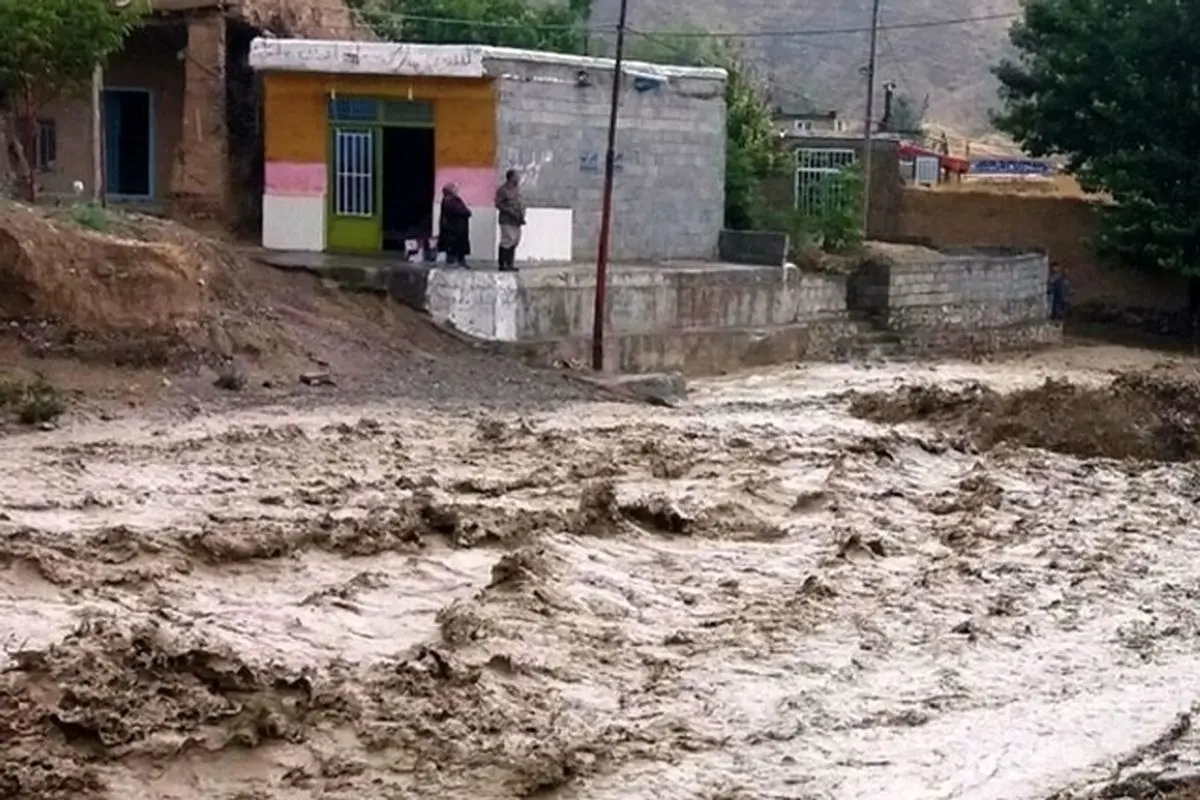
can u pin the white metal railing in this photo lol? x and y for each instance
(354, 173)
(815, 166)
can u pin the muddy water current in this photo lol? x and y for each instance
(753, 595)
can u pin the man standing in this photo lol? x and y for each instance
(512, 219)
(1058, 292)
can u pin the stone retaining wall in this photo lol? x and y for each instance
(961, 299)
(709, 318)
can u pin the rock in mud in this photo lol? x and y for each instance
(230, 378)
(661, 389)
(808, 502)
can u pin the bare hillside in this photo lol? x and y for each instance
(951, 63)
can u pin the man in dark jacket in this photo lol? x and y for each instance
(511, 217)
(1058, 292)
(454, 227)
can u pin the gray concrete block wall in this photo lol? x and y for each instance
(967, 291)
(669, 192)
(645, 301)
(708, 319)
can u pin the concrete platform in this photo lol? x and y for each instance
(704, 317)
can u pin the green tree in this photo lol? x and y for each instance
(557, 26)
(50, 47)
(1114, 86)
(753, 155)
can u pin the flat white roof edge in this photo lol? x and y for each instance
(593, 62)
(287, 55)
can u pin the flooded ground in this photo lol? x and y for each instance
(756, 595)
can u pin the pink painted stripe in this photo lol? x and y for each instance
(476, 185)
(290, 179)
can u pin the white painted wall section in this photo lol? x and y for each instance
(547, 237)
(478, 303)
(484, 232)
(293, 223)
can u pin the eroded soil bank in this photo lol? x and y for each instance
(760, 594)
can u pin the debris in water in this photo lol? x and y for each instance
(856, 545)
(317, 379)
(657, 514)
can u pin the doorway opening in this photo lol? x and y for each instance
(407, 186)
(129, 143)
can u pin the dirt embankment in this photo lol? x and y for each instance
(147, 294)
(1136, 415)
(103, 302)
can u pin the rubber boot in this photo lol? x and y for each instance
(507, 259)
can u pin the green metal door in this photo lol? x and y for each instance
(355, 221)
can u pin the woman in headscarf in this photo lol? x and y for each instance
(454, 227)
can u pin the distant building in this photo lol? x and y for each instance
(792, 121)
(179, 108)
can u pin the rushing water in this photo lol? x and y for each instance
(850, 612)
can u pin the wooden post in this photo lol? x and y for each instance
(98, 192)
(606, 200)
(869, 131)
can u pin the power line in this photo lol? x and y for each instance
(370, 16)
(400, 19)
(786, 34)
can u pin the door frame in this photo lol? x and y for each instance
(331, 215)
(376, 127)
(151, 145)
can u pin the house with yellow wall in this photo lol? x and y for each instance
(360, 138)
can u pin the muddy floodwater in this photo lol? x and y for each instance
(757, 594)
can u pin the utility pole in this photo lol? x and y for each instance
(869, 130)
(610, 160)
(99, 194)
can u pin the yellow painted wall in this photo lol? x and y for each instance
(296, 128)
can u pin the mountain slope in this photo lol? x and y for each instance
(951, 64)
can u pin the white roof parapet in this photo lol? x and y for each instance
(643, 68)
(442, 60)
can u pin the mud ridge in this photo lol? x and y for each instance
(106, 693)
(1135, 416)
(78, 716)
(124, 556)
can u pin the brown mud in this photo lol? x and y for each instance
(753, 595)
(1135, 415)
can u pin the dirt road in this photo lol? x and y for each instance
(756, 595)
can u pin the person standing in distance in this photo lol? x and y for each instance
(454, 227)
(512, 218)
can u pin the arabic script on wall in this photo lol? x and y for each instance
(372, 58)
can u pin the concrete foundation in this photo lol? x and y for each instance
(710, 318)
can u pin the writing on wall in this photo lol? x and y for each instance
(529, 163)
(592, 162)
(368, 58)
